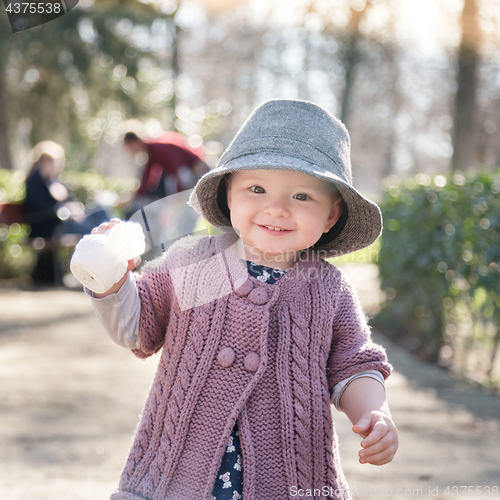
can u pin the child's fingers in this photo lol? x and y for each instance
(103, 227)
(381, 457)
(363, 425)
(379, 446)
(113, 222)
(378, 432)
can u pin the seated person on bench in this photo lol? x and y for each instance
(50, 212)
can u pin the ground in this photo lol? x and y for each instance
(70, 400)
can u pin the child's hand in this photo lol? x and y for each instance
(132, 263)
(380, 438)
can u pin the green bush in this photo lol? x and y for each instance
(11, 186)
(439, 267)
(15, 256)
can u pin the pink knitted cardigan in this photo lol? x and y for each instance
(266, 356)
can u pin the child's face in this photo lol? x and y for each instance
(300, 206)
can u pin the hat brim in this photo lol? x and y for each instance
(363, 225)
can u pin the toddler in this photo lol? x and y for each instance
(258, 333)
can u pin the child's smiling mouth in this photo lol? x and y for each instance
(274, 229)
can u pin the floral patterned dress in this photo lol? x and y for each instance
(229, 481)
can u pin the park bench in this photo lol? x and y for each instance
(11, 213)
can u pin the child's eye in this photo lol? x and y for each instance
(257, 189)
(302, 196)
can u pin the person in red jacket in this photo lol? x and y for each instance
(172, 166)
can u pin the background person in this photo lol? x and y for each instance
(52, 211)
(172, 166)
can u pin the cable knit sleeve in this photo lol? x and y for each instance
(352, 350)
(155, 293)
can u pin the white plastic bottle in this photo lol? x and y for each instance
(100, 260)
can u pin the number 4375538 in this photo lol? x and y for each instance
(472, 490)
(34, 8)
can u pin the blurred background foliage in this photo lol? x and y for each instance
(16, 258)
(439, 266)
(417, 83)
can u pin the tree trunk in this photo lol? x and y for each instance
(351, 61)
(174, 63)
(396, 104)
(5, 159)
(464, 128)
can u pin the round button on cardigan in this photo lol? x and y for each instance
(226, 357)
(258, 296)
(252, 361)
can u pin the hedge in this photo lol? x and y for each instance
(439, 266)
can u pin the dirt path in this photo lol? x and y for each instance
(70, 400)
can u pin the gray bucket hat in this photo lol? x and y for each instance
(303, 137)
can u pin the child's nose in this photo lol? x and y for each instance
(277, 208)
